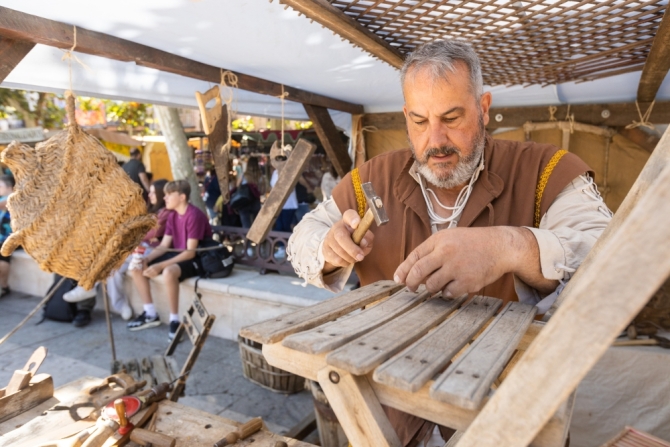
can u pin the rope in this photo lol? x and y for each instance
(360, 197)
(69, 55)
(542, 184)
(644, 119)
(228, 83)
(34, 311)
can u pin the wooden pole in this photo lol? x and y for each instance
(330, 138)
(658, 62)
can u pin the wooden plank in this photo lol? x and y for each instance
(468, 379)
(372, 349)
(357, 409)
(336, 333)
(628, 270)
(330, 138)
(288, 177)
(220, 153)
(417, 403)
(190, 328)
(618, 114)
(348, 28)
(657, 162)
(658, 62)
(11, 53)
(40, 389)
(417, 364)
(276, 329)
(30, 28)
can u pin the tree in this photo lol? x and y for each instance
(35, 109)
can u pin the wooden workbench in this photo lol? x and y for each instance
(189, 426)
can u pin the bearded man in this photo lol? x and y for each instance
(467, 213)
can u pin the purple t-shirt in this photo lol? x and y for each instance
(193, 224)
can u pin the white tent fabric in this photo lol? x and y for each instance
(254, 37)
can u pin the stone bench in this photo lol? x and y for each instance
(244, 298)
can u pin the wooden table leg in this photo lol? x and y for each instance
(357, 408)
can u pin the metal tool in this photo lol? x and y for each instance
(376, 212)
(247, 429)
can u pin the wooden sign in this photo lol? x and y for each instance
(288, 177)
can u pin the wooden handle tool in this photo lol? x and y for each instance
(209, 116)
(363, 227)
(144, 437)
(245, 430)
(376, 212)
(104, 430)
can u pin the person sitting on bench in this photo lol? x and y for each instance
(184, 229)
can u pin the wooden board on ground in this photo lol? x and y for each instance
(288, 177)
(272, 331)
(334, 334)
(412, 368)
(191, 427)
(469, 378)
(374, 348)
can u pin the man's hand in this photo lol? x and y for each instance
(339, 249)
(464, 260)
(153, 270)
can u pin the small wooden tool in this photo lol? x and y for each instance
(375, 212)
(247, 429)
(209, 116)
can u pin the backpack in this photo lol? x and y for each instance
(215, 263)
(57, 308)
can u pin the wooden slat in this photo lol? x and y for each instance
(30, 28)
(160, 369)
(338, 22)
(372, 349)
(336, 333)
(288, 177)
(330, 138)
(11, 53)
(628, 270)
(658, 62)
(620, 114)
(417, 403)
(190, 328)
(357, 409)
(276, 329)
(417, 364)
(469, 378)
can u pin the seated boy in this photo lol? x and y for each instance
(184, 229)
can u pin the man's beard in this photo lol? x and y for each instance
(461, 172)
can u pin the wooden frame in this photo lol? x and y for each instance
(330, 138)
(11, 53)
(658, 62)
(30, 28)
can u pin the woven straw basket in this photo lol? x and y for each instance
(74, 210)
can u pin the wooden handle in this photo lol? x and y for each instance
(143, 437)
(120, 407)
(101, 434)
(250, 427)
(209, 116)
(363, 227)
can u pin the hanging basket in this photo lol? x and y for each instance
(74, 210)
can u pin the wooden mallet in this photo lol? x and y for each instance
(376, 212)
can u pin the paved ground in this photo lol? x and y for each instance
(216, 384)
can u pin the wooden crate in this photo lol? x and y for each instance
(257, 370)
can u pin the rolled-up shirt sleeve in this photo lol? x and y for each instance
(572, 224)
(305, 252)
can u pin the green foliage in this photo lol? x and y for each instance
(35, 109)
(129, 115)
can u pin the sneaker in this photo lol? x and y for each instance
(174, 325)
(5, 291)
(78, 294)
(143, 322)
(82, 318)
(126, 312)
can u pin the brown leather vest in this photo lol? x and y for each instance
(504, 194)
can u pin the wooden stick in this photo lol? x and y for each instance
(628, 270)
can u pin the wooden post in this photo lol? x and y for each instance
(627, 271)
(658, 62)
(288, 177)
(330, 138)
(179, 152)
(11, 53)
(357, 408)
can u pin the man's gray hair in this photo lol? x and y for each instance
(439, 56)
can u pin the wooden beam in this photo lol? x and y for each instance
(658, 62)
(21, 26)
(11, 53)
(344, 26)
(628, 270)
(288, 177)
(330, 138)
(613, 115)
